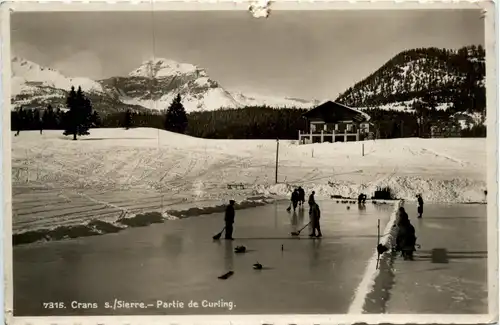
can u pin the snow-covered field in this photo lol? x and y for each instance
(117, 173)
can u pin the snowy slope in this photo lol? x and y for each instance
(146, 169)
(152, 85)
(447, 76)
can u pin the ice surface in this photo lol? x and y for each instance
(453, 282)
(178, 260)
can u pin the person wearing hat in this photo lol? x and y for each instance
(229, 220)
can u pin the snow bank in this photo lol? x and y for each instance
(60, 182)
(372, 271)
(96, 227)
(458, 190)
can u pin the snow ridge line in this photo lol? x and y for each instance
(366, 286)
(96, 226)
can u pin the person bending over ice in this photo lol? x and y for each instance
(405, 239)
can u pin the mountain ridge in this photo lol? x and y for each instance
(439, 79)
(151, 86)
(450, 79)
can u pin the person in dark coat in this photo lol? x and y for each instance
(315, 215)
(402, 215)
(295, 199)
(311, 201)
(361, 198)
(229, 220)
(420, 208)
(302, 196)
(405, 239)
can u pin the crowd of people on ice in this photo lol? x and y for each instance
(405, 238)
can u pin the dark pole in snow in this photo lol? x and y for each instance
(378, 242)
(277, 154)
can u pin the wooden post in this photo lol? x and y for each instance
(378, 231)
(362, 149)
(378, 240)
(277, 155)
(322, 136)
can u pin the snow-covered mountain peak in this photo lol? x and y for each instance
(21, 67)
(27, 74)
(161, 68)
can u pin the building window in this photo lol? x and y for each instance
(325, 127)
(336, 127)
(349, 128)
(313, 127)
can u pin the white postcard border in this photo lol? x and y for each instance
(198, 5)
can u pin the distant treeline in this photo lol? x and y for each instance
(47, 119)
(245, 123)
(271, 123)
(251, 122)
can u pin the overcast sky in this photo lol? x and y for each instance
(308, 54)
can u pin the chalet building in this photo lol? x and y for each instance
(334, 122)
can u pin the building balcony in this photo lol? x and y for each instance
(329, 136)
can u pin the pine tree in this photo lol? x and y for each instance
(78, 119)
(128, 120)
(71, 116)
(176, 118)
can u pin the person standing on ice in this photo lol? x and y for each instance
(314, 216)
(295, 198)
(229, 220)
(311, 201)
(420, 208)
(302, 196)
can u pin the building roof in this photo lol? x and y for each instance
(331, 112)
